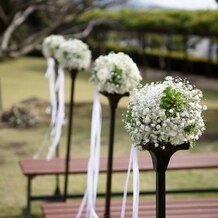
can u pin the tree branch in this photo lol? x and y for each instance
(33, 41)
(85, 32)
(19, 18)
(53, 15)
(26, 4)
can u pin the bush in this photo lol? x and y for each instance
(18, 116)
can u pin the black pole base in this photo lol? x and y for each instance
(160, 158)
(114, 98)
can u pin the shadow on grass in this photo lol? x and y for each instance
(22, 216)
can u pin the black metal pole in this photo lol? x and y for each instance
(73, 75)
(160, 158)
(160, 195)
(57, 189)
(110, 159)
(113, 102)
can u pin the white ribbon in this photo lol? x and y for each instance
(44, 142)
(133, 161)
(59, 120)
(50, 75)
(89, 198)
(136, 183)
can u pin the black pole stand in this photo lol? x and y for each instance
(113, 100)
(73, 74)
(57, 189)
(160, 158)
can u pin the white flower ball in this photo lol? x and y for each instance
(165, 113)
(51, 44)
(74, 54)
(115, 73)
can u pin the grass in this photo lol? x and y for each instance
(29, 73)
(23, 78)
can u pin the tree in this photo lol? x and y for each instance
(24, 23)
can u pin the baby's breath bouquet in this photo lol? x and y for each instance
(115, 73)
(167, 112)
(74, 54)
(51, 44)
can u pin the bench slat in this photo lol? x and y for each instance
(79, 165)
(176, 208)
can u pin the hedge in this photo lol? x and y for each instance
(168, 21)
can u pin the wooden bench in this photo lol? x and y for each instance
(32, 168)
(175, 208)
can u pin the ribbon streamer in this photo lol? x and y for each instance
(133, 162)
(136, 183)
(50, 75)
(59, 121)
(89, 198)
(44, 142)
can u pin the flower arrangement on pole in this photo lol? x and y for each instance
(115, 73)
(163, 118)
(74, 54)
(51, 44)
(167, 112)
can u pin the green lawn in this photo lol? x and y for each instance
(23, 78)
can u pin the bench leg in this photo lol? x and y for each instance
(27, 210)
(57, 191)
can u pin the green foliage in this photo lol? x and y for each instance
(172, 21)
(190, 128)
(116, 76)
(128, 116)
(172, 99)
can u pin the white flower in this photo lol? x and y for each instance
(74, 54)
(51, 44)
(165, 113)
(115, 73)
(204, 107)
